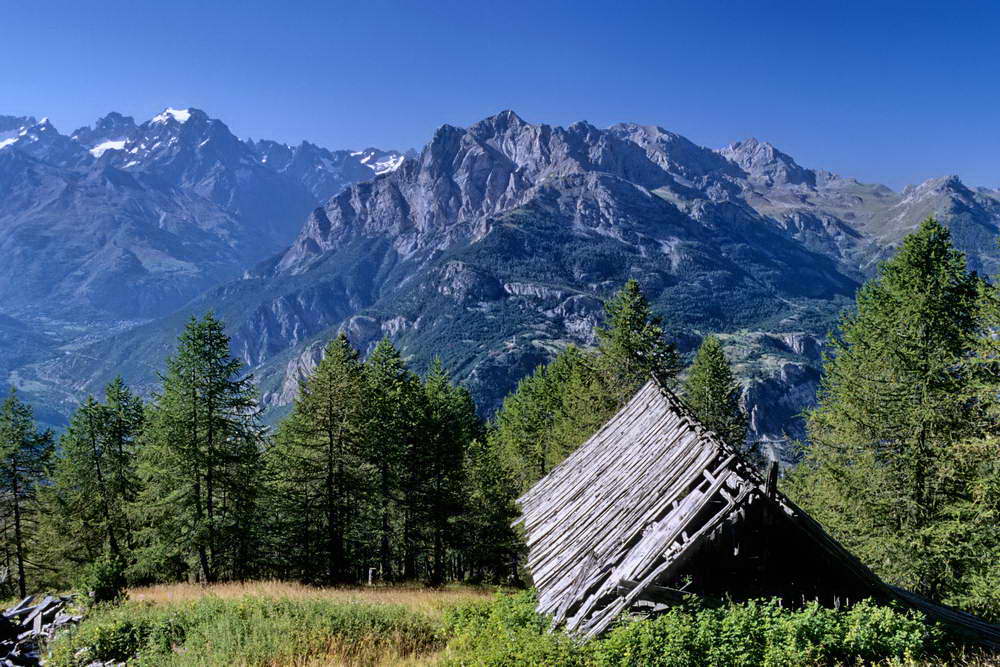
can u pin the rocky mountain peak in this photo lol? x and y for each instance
(11, 125)
(42, 141)
(677, 154)
(502, 122)
(108, 133)
(766, 165)
(179, 116)
(937, 187)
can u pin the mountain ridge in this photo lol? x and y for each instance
(494, 246)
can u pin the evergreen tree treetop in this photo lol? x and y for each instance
(713, 394)
(632, 343)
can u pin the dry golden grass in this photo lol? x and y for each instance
(431, 601)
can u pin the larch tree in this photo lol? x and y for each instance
(490, 545)
(94, 480)
(524, 431)
(450, 424)
(894, 399)
(563, 403)
(318, 478)
(713, 394)
(633, 346)
(393, 416)
(24, 455)
(199, 462)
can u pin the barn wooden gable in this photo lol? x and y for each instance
(654, 506)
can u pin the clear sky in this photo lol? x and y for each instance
(887, 92)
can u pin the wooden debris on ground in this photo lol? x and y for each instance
(654, 506)
(27, 624)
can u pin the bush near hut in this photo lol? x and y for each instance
(508, 631)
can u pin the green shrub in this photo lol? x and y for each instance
(507, 631)
(104, 579)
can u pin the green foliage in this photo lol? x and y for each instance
(490, 544)
(893, 402)
(104, 579)
(199, 464)
(246, 631)
(712, 393)
(392, 417)
(317, 477)
(563, 403)
(437, 463)
(508, 631)
(92, 484)
(761, 632)
(24, 455)
(369, 471)
(969, 529)
(527, 426)
(632, 345)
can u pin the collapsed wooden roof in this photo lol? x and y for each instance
(654, 506)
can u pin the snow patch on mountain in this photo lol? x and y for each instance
(102, 148)
(180, 115)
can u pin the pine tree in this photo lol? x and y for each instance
(318, 478)
(24, 455)
(491, 546)
(633, 346)
(392, 420)
(199, 462)
(893, 401)
(525, 427)
(94, 481)
(713, 394)
(438, 464)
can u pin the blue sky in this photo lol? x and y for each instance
(887, 92)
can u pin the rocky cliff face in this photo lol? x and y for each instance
(494, 247)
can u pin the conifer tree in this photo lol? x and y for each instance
(450, 425)
(491, 546)
(894, 399)
(94, 481)
(199, 462)
(562, 404)
(713, 394)
(631, 349)
(393, 416)
(24, 455)
(633, 346)
(318, 480)
(525, 427)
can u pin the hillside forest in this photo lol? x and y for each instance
(378, 474)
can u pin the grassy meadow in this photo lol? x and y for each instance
(268, 623)
(276, 624)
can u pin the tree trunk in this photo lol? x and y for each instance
(22, 584)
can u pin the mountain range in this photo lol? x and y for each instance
(492, 248)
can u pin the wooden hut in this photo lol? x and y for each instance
(654, 506)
